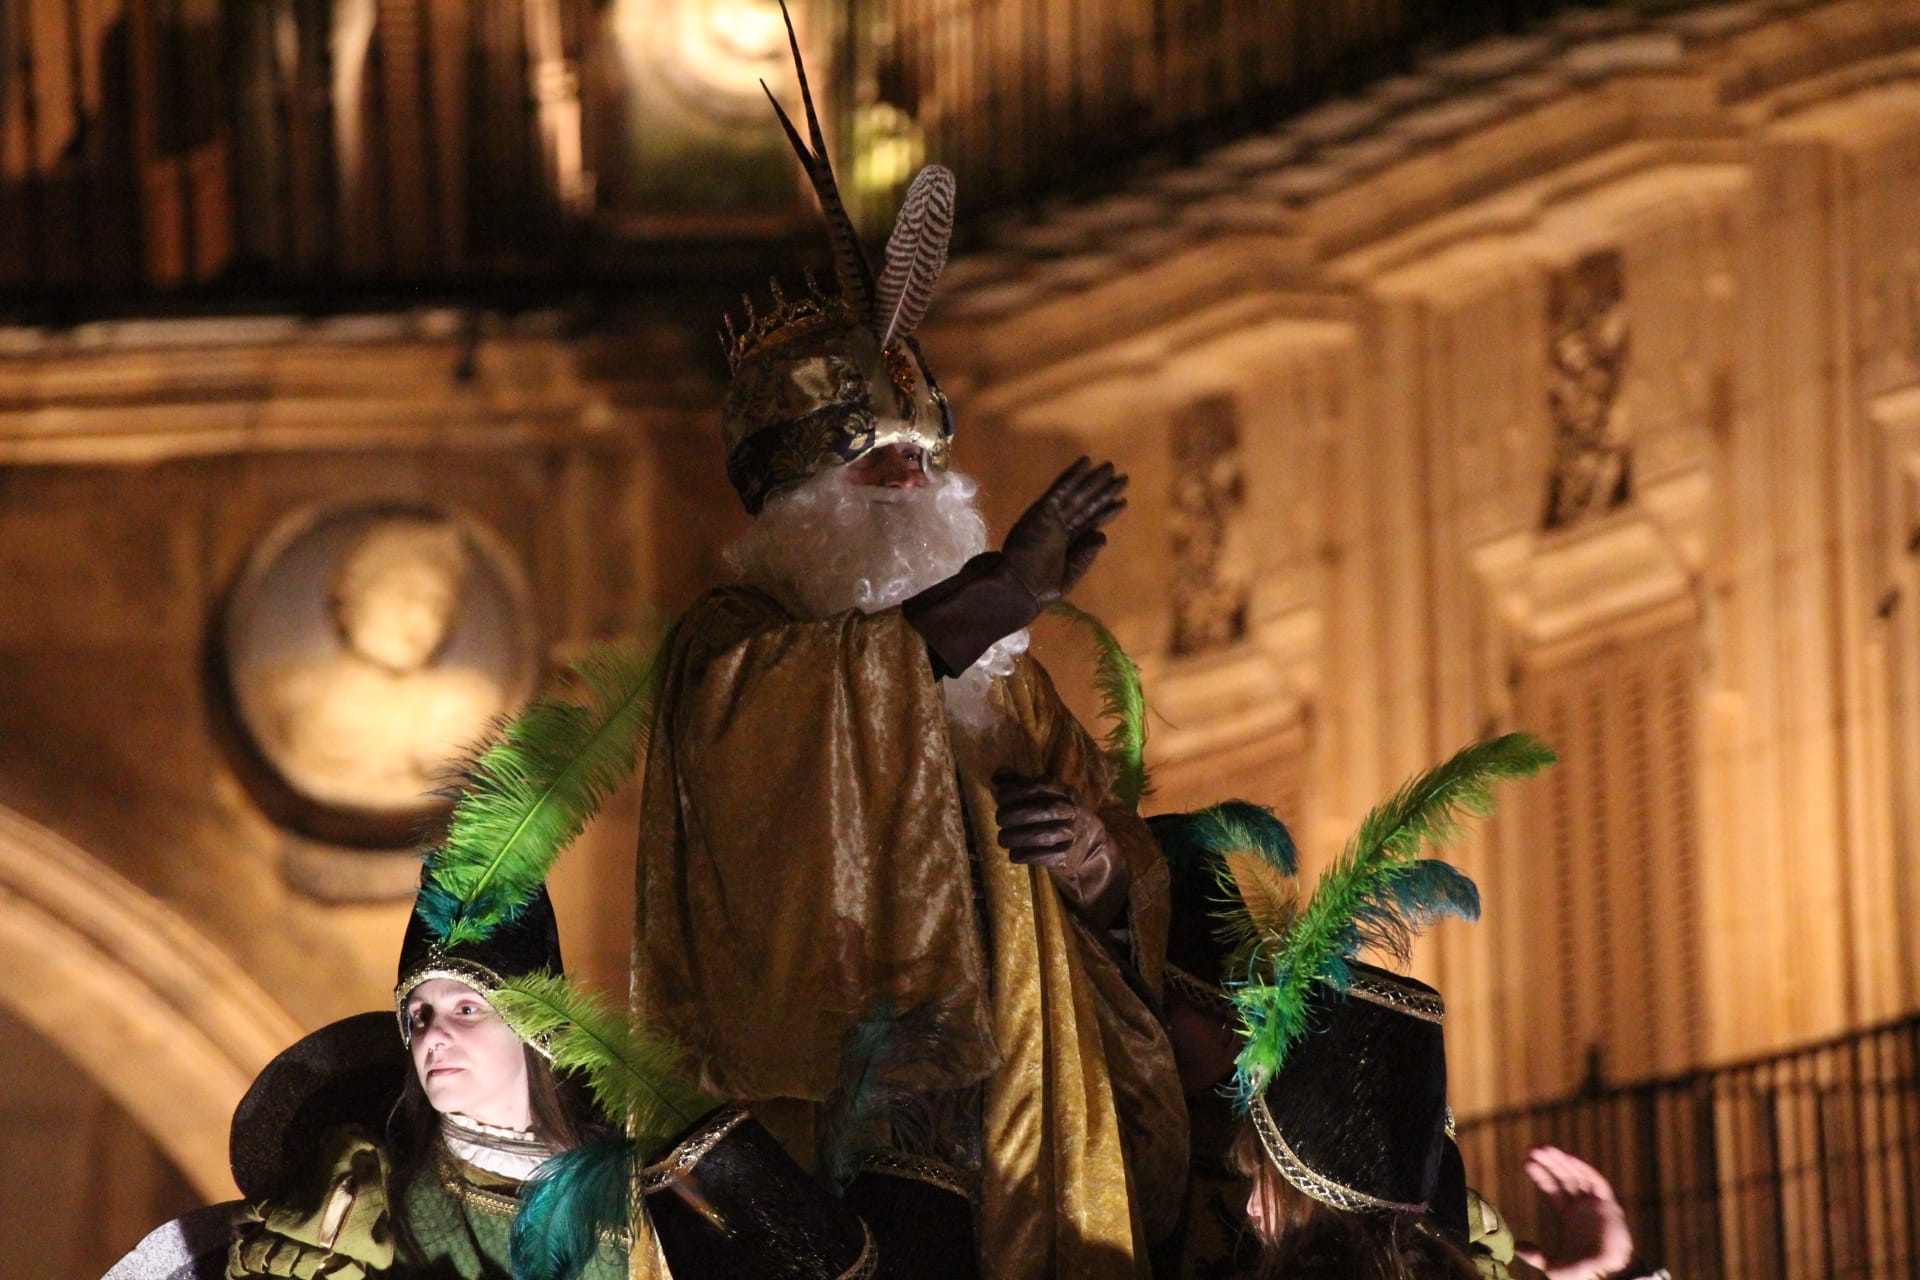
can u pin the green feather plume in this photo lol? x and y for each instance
(1378, 893)
(573, 1201)
(635, 1079)
(532, 791)
(1122, 702)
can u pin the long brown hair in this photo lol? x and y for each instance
(1304, 1239)
(561, 1110)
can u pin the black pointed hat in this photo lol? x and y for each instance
(1356, 1116)
(527, 943)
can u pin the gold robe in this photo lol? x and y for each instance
(804, 855)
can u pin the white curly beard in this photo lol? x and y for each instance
(826, 546)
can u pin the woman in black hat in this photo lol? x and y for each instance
(1353, 1172)
(363, 1152)
(422, 1143)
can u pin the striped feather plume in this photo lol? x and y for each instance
(532, 791)
(573, 1200)
(1379, 893)
(849, 259)
(1122, 701)
(916, 254)
(635, 1078)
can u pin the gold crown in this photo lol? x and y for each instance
(789, 319)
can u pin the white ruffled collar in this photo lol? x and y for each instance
(510, 1153)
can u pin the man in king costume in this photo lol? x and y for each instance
(868, 817)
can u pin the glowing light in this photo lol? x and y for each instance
(749, 29)
(888, 147)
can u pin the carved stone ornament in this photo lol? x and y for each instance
(1212, 580)
(1586, 362)
(366, 648)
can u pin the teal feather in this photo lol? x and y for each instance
(1198, 841)
(878, 1099)
(1196, 846)
(573, 1201)
(636, 1079)
(1122, 702)
(534, 789)
(1376, 894)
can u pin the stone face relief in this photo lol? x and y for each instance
(1586, 363)
(1212, 578)
(368, 647)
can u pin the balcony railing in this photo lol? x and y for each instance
(1800, 1166)
(164, 147)
(1025, 97)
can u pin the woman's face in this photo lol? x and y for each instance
(468, 1059)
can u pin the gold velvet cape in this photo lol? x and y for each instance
(804, 855)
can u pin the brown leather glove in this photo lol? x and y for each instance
(1042, 824)
(1055, 542)
(998, 592)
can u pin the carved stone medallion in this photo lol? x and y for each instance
(366, 648)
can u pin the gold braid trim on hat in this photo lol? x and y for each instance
(1419, 1004)
(897, 1164)
(1198, 990)
(1317, 1185)
(692, 1150)
(868, 1263)
(438, 964)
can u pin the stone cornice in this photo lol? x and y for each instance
(1477, 140)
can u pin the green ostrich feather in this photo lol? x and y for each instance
(635, 1079)
(534, 789)
(1122, 702)
(1378, 893)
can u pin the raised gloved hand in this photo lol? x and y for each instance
(998, 592)
(1055, 542)
(1042, 824)
(339, 1229)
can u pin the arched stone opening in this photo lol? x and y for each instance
(134, 995)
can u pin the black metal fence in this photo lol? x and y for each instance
(1801, 1165)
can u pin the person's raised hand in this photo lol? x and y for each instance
(1055, 542)
(1595, 1239)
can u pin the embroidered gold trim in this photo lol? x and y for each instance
(896, 1164)
(1391, 995)
(1199, 990)
(446, 1167)
(868, 1263)
(1317, 1185)
(439, 964)
(683, 1158)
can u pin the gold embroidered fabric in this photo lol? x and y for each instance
(803, 855)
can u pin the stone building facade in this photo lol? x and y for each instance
(1569, 383)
